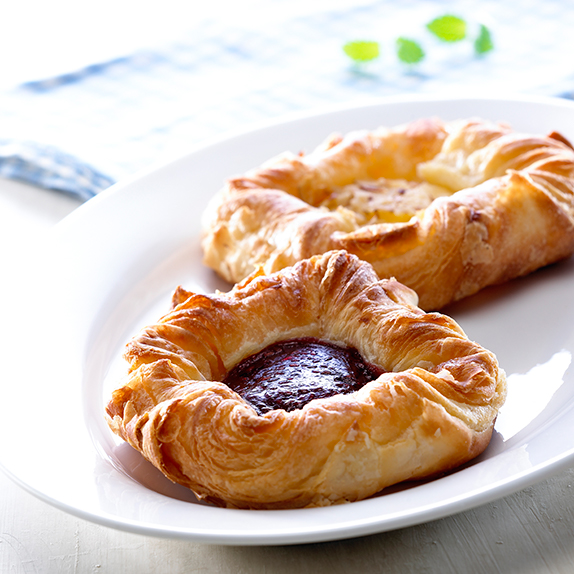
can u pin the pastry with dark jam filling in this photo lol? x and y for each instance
(422, 398)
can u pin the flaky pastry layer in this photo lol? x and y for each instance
(447, 208)
(432, 409)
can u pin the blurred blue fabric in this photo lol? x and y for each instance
(47, 166)
(84, 129)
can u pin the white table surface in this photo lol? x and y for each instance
(531, 531)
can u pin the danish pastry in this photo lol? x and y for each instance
(447, 208)
(422, 398)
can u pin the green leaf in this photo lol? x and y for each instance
(448, 28)
(483, 42)
(409, 51)
(362, 50)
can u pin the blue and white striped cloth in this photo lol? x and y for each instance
(84, 129)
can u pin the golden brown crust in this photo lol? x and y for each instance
(499, 205)
(433, 409)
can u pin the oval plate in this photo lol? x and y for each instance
(110, 268)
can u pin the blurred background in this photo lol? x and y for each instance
(92, 92)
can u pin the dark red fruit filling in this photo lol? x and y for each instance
(289, 374)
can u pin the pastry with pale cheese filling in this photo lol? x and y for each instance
(447, 208)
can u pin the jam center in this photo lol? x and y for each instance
(289, 374)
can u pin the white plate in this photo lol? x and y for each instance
(110, 267)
